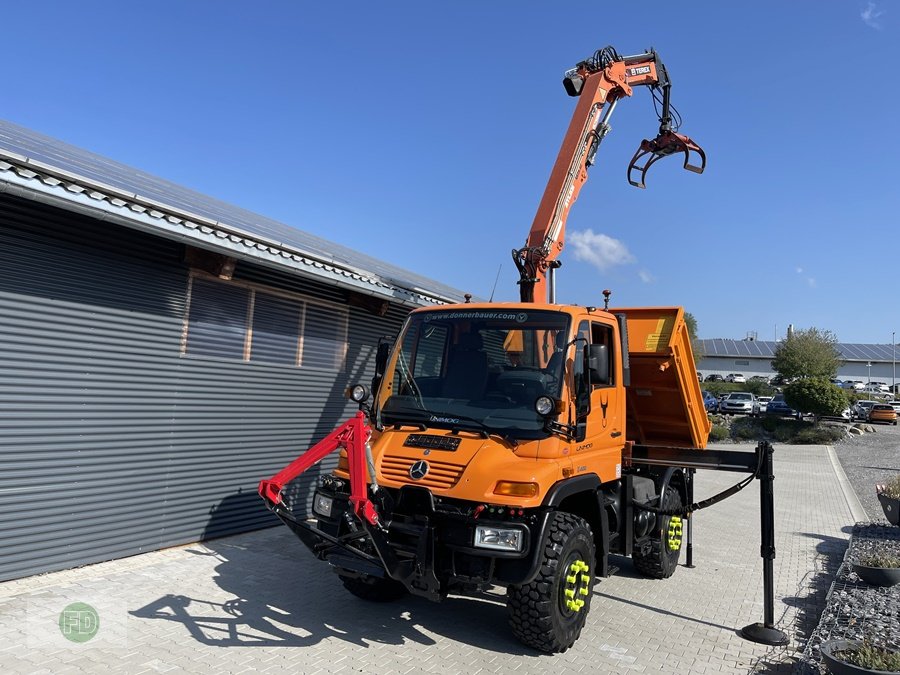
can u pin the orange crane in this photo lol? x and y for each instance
(599, 82)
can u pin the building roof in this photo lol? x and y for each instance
(47, 169)
(765, 349)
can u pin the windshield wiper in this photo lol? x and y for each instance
(483, 429)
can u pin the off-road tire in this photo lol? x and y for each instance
(541, 614)
(661, 561)
(374, 589)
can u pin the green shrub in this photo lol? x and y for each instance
(815, 395)
(817, 435)
(885, 560)
(892, 487)
(718, 433)
(871, 657)
(746, 429)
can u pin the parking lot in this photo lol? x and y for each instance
(261, 603)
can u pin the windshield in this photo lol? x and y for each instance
(479, 369)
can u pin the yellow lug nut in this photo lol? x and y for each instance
(571, 579)
(570, 593)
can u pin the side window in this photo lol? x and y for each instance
(578, 368)
(602, 334)
(246, 322)
(217, 323)
(324, 338)
(276, 330)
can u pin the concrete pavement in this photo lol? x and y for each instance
(261, 603)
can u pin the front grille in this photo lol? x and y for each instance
(441, 475)
(432, 442)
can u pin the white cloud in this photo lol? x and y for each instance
(810, 282)
(871, 15)
(646, 277)
(600, 250)
(799, 270)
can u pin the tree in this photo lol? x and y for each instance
(815, 395)
(691, 322)
(808, 353)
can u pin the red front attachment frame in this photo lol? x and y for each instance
(667, 143)
(351, 436)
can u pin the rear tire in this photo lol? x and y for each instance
(374, 589)
(661, 561)
(549, 613)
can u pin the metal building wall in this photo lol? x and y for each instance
(111, 442)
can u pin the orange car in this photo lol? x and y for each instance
(882, 412)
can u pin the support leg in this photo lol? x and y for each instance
(766, 633)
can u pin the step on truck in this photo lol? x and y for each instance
(512, 445)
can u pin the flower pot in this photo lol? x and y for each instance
(878, 576)
(891, 508)
(838, 667)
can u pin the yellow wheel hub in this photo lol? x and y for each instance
(577, 585)
(673, 533)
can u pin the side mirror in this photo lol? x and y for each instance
(381, 359)
(598, 364)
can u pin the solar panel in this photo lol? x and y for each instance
(95, 168)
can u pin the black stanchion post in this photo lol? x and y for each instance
(766, 633)
(689, 478)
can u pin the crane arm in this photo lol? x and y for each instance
(598, 82)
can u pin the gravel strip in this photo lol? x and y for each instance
(870, 459)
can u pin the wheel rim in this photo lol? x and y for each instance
(674, 533)
(574, 586)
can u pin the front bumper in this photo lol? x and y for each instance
(424, 542)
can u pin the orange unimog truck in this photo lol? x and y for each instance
(520, 444)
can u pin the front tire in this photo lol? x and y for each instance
(549, 613)
(661, 560)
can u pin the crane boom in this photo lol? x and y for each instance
(599, 82)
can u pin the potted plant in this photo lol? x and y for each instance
(880, 568)
(889, 496)
(851, 657)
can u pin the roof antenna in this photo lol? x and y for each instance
(495, 283)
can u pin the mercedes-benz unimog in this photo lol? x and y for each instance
(495, 447)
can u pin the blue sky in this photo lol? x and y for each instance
(423, 133)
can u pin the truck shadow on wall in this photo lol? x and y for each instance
(283, 597)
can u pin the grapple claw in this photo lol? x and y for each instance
(667, 143)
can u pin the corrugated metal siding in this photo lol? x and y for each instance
(111, 442)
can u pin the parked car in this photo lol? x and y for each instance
(710, 402)
(763, 402)
(895, 405)
(861, 409)
(735, 378)
(778, 408)
(714, 378)
(883, 412)
(739, 403)
(759, 378)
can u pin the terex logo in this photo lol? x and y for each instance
(444, 420)
(643, 70)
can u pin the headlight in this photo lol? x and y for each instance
(358, 393)
(322, 505)
(499, 538)
(543, 405)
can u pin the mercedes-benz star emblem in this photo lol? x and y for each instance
(418, 470)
